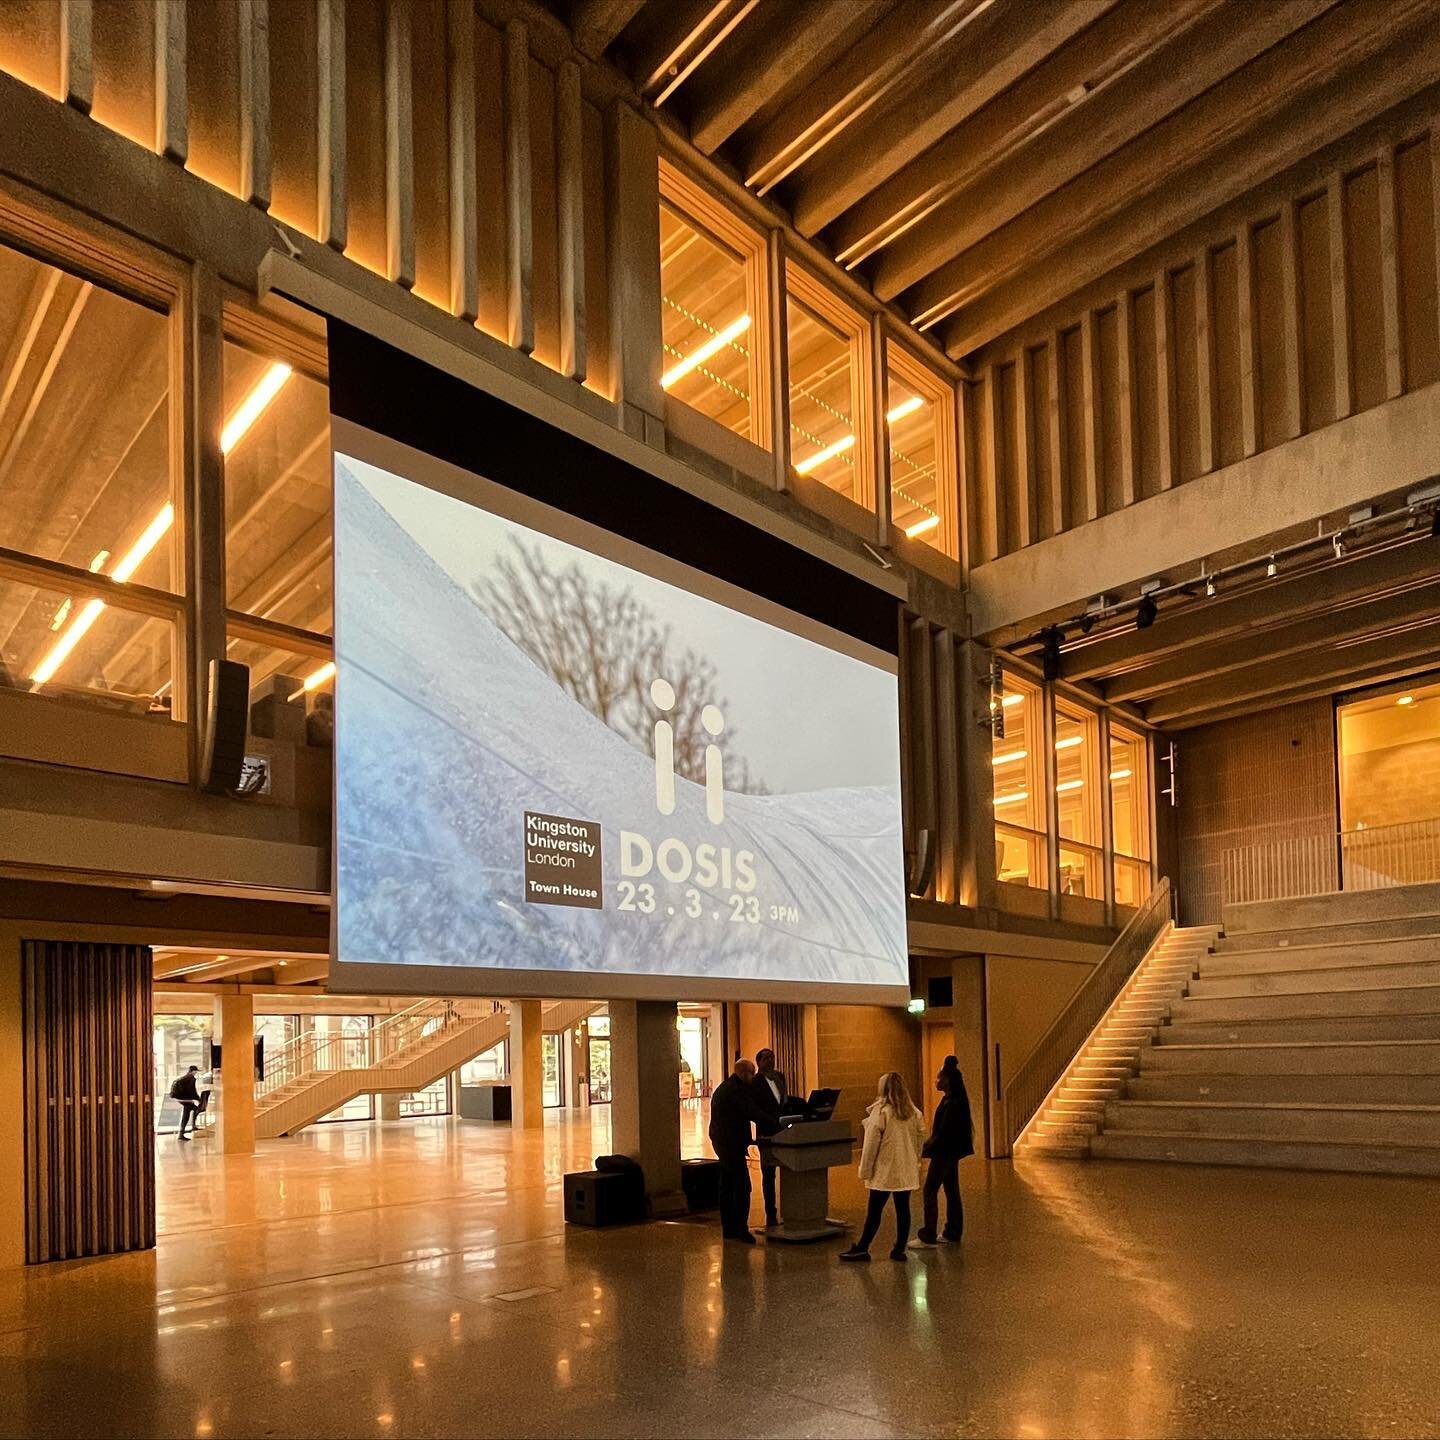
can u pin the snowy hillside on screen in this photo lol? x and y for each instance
(447, 733)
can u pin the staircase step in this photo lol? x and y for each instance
(1344, 907)
(1280, 1120)
(1319, 958)
(1319, 1089)
(1397, 928)
(1398, 1057)
(1279, 1154)
(1296, 1029)
(1327, 1004)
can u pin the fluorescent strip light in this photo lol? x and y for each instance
(712, 346)
(1012, 799)
(145, 544)
(1069, 742)
(1068, 786)
(1009, 757)
(79, 626)
(904, 408)
(1119, 774)
(315, 679)
(1010, 700)
(806, 465)
(253, 406)
(922, 527)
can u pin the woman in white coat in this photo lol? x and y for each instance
(889, 1163)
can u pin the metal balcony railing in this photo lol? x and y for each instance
(1376, 857)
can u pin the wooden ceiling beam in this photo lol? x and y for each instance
(1284, 106)
(1365, 617)
(1368, 573)
(772, 61)
(596, 24)
(301, 972)
(1336, 666)
(955, 76)
(1199, 52)
(987, 138)
(854, 86)
(689, 25)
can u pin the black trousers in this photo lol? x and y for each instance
(767, 1188)
(943, 1175)
(188, 1111)
(734, 1195)
(876, 1209)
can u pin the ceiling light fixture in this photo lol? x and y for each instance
(844, 443)
(249, 411)
(716, 343)
(1069, 742)
(1009, 700)
(1066, 786)
(904, 408)
(1272, 569)
(315, 679)
(1406, 700)
(1145, 613)
(1012, 799)
(1119, 774)
(922, 527)
(1009, 757)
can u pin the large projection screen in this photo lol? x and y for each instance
(567, 765)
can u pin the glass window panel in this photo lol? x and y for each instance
(1018, 763)
(85, 474)
(822, 430)
(276, 1031)
(915, 501)
(552, 1074)
(178, 1042)
(1081, 872)
(85, 649)
(350, 1048)
(1132, 881)
(599, 1069)
(488, 1066)
(277, 492)
(1129, 794)
(308, 679)
(1077, 776)
(434, 1099)
(706, 323)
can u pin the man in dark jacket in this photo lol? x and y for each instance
(732, 1112)
(952, 1138)
(187, 1092)
(769, 1088)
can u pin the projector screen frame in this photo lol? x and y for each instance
(417, 466)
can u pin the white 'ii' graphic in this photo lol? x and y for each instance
(663, 694)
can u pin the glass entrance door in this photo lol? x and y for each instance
(599, 1070)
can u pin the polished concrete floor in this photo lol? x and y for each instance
(416, 1279)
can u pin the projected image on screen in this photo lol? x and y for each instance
(551, 762)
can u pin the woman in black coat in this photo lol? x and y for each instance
(952, 1138)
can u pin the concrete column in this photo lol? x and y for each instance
(645, 1089)
(389, 1106)
(235, 1118)
(526, 1066)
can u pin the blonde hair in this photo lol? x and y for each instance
(894, 1094)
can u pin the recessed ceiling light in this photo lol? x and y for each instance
(1406, 700)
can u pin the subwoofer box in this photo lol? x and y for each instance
(596, 1198)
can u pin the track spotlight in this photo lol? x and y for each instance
(1145, 613)
(1272, 570)
(1050, 660)
(1087, 621)
(1209, 587)
(1339, 546)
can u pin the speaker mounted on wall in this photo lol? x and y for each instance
(227, 722)
(920, 869)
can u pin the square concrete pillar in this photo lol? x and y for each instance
(389, 1107)
(645, 1095)
(527, 1065)
(235, 1114)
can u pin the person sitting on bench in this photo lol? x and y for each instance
(187, 1092)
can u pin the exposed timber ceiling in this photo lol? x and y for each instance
(978, 161)
(1328, 619)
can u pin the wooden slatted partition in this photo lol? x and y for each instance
(89, 1102)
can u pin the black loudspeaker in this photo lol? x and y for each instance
(227, 716)
(593, 1197)
(700, 1180)
(922, 864)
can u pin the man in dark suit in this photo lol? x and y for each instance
(732, 1112)
(769, 1088)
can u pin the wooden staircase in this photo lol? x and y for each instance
(405, 1053)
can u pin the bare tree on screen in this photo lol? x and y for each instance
(603, 647)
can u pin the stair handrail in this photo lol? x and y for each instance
(1046, 1063)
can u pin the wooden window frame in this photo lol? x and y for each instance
(939, 392)
(707, 213)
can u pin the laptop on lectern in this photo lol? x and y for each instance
(820, 1106)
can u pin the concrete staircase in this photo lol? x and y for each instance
(1074, 1112)
(1307, 1038)
(403, 1054)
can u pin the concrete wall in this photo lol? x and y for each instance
(856, 1044)
(1254, 780)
